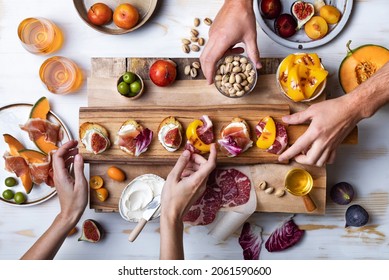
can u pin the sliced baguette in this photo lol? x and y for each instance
(88, 126)
(170, 120)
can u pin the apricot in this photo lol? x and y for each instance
(316, 28)
(330, 14)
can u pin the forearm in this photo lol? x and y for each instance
(246, 4)
(46, 247)
(372, 94)
(171, 243)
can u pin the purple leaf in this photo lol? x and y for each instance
(251, 240)
(284, 237)
(143, 141)
(230, 145)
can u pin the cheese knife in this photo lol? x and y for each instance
(150, 210)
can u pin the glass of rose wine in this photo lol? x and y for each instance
(40, 35)
(61, 75)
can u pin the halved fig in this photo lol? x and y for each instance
(91, 231)
(302, 11)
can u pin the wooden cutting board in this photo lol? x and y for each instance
(273, 174)
(151, 117)
(187, 92)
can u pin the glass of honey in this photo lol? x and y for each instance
(299, 182)
(60, 75)
(40, 35)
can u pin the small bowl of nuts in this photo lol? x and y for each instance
(235, 76)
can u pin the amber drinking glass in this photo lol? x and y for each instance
(60, 75)
(40, 35)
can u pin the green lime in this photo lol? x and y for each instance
(10, 181)
(124, 88)
(8, 194)
(19, 198)
(129, 77)
(135, 88)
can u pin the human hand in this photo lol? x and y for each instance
(186, 183)
(331, 121)
(72, 192)
(234, 23)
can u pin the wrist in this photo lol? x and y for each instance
(246, 4)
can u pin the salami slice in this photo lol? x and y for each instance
(225, 188)
(204, 210)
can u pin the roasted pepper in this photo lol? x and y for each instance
(191, 134)
(268, 135)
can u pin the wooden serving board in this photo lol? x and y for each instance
(187, 92)
(273, 174)
(151, 117)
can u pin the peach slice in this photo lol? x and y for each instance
(316, 28)
(268, 134)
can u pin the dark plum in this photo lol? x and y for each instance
(270, 9)
(285, 25)
(356, 216)
(342, 193)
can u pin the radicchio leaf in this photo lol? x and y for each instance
(231, 146)
(251, 240)
(143, 140)
(284, 237)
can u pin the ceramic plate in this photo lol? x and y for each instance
(11, 116)
(300, 40)
(145, 8)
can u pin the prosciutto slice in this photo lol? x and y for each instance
(16, 164)
(225, 188)
(205, 134)
(37, 128)
(39, 172)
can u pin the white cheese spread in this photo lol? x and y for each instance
(162, 134)
(87, 139)
(138, 194)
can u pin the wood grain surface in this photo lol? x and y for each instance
(273, 174)
(151, 117)
(188, 99)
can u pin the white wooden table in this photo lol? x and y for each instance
(364, 165)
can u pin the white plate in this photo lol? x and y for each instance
(300, 40)
(11, 116)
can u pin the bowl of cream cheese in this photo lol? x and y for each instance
(138, 194)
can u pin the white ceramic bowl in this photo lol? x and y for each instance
(137, 194)
(319, 90)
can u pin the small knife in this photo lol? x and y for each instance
(151, 208)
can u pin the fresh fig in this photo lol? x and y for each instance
(342, 193)
(270, 9)
(285, 25)
(91, 231)
(356, 216)
(303, 12)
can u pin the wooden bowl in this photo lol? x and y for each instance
(145, 8)
(139, 93)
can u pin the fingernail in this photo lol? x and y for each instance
(186, 153)
(78, 158)
(259, 65)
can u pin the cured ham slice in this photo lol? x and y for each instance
(39, 172)
(42, 172)
(39, 127)
(281, 140)
(204, 135)
(235, 187)
(16, 164)
(225, 188)
(235, 138)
